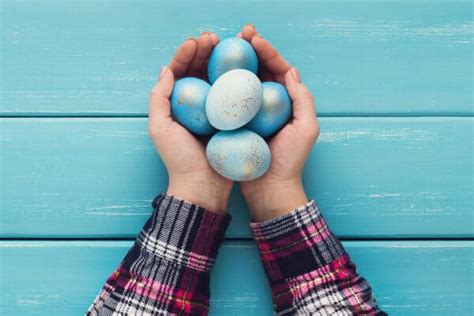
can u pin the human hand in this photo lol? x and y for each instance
(280, 190)
(190, 175)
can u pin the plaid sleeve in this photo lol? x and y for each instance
(308, 269)
(167, 269)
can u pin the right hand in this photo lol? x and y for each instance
(281, 190)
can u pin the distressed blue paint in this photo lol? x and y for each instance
(408, 278)
(95, 58)
(372, 177)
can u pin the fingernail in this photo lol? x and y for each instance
(204, 33)
(214, 37)
(256, 35)
(251, 25)
(296, 74)
(239, 35)
(163, 71)
(190, 39)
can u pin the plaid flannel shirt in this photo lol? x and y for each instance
(167, 269)
(308, 269)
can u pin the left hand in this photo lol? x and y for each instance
(190, 175)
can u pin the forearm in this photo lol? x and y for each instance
(167, 269)
(307, 267)
(202, 190)
(270, 199)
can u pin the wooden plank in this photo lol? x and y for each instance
(408, 278)
(359, 57)
(372, 177)
(392, 176)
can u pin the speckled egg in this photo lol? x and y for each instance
(188, 105)
(234, 99)
(240, 155)
(231, 53)
(275, 110)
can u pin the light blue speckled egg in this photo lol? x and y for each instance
(231, 53)
(275, 110)
(188, 105)
(240, 155)
(234, 99)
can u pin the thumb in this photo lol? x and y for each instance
(159, 102)
(303, 101)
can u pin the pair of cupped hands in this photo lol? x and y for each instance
(190, 175)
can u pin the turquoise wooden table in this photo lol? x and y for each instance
(392, 170)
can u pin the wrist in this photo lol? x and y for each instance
(271, 199)
(208, 194)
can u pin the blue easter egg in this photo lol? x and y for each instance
(188, 105)
(239, 155)
(234, 99)
(275, 111)
(231, 53)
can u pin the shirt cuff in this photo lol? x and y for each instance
(296, 243)
(183, 233)
(167, 269)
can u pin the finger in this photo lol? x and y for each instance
(265, 75)
(248, 31)
(303, 102)
(204, 47)
(270, 57)
(239, 35)
(159, 103)
(215, 39)
(183, 57)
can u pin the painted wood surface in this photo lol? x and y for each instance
(358, 57)
(408, 278)
(372, 177)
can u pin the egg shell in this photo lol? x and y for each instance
(275, 111)
(188, 105)
(234, 99)
(231, 53)
(239, 155)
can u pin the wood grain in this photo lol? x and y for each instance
(372, 177)
(376, 176)
(358, 57)
(408, 278)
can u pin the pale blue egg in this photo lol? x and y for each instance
(231, 53)
(234, 99)
(239, 155)
(275, 111)
(188, 105)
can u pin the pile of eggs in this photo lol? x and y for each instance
(235, 108)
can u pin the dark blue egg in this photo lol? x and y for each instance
(231, 53)
(188, 105)
(275, 111)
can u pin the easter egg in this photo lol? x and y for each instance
(239, 155)
(188, 105)
(275, 110)
(234, 99)
(231, 53)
